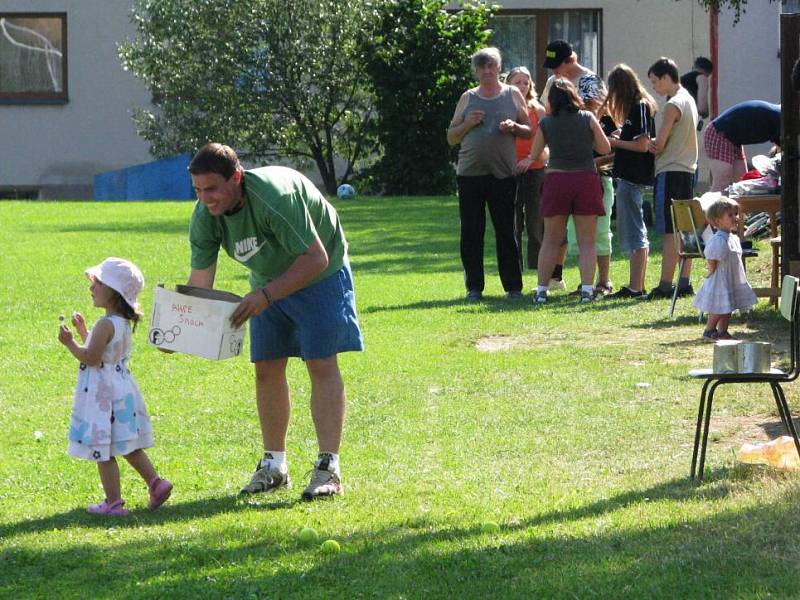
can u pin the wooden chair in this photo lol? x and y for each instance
(776, 377)
(688, 223)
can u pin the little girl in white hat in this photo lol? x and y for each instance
(109, 418)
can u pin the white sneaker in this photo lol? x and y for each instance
(556, 284)
(267, 480)
(324, 482)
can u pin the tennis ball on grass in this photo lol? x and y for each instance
(330, 547)
(490, 527)
(308, 535)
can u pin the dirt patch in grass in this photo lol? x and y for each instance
(734, 431)
(501, 343)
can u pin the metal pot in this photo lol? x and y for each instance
(754, 357)
(726, 356)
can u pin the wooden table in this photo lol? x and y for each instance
(768, 203)
(758, 203)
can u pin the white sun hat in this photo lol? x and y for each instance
(121, 276)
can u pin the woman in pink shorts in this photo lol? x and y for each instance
(571, 185)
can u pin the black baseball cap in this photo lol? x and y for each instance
(556, 53)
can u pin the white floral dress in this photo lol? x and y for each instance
(109, 417)
(726, 290)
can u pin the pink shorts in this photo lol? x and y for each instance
(571, 193)
(718, 147)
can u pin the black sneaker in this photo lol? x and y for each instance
(625, 292)
(658, 294)
(685, 291)
(474, 296)
(515, 295)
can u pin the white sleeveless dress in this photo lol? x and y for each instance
(109, 417)
(727, 289)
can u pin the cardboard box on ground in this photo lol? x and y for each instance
(195, 321)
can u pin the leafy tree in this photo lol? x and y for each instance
(738, 6)
(274, 79)
(419, 65)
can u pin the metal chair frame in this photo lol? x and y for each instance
(688, 222)
(790, 311)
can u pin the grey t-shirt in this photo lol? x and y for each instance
(486, 150)
(570, 138)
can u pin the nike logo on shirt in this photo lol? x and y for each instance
(247, 248)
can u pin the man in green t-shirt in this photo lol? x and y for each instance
(276, 223)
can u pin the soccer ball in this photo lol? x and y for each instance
(346, 192)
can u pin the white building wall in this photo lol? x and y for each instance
(637, 32)
(749, 64)
(59, 148)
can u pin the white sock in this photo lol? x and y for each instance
(541, 288)
(333, 461)
(275, 459)
(587, 288)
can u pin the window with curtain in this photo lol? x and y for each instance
(33, 58)
(790, 6)
(581, 28)
(515, 37)
(522, 35)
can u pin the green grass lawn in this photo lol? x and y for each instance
(457, 415)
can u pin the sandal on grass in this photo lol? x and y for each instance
(104, 508)
(160, 489)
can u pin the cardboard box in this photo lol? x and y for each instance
(195, 321)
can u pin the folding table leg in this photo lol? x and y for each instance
(704, 443)
(778, 391)
(698, 427)
(781, 410)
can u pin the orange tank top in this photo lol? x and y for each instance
(524, 146)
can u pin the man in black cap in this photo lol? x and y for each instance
(562, 60)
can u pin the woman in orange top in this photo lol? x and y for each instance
(530, 174)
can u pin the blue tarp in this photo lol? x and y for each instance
(165, 179)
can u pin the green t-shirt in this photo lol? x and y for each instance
(283, 211)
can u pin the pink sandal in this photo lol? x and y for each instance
(104, 508)
(160, 490)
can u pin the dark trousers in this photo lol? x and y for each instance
(474, 193)
(527, 217)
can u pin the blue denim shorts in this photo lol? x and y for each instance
(315, 322)
(669, 185)
(631, 229)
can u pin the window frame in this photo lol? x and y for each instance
(543, 16)
(42, 97)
